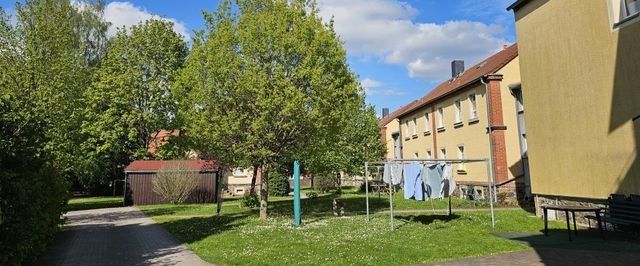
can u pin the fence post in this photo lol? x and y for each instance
(297, 216)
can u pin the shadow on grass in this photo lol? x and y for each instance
(166, 210)
(324, 204)
(428, 219)
(195, 229)
(79, 206)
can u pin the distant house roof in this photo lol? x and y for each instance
(159, 138)
(144, 166)
(471, 75)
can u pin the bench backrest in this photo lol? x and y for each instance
(625, 209)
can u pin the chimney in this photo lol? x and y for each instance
(457, 67)
(385, 112)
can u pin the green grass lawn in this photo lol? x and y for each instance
(86, 203)
(239, 237)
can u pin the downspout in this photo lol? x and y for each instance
(490, 130)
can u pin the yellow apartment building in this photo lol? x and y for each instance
(580, 67)
(452, 122)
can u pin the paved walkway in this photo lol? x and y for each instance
(551, 256)
(116, 236)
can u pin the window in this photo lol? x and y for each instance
(461, 156)
(429, 155)
(240, 172)
(440, 118)
(443, 153)
(406, 129)
(630, 7)
(427, 123)
(473, 107)
(416, 155)
(623, 11)
(458, 109)
(415, 130)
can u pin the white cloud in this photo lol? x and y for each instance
(386, 30)
(368, 83)
(374, 87)
(125, 14)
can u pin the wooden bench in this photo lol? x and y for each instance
(622, 212)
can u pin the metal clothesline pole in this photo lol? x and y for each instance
(391, 203)
(491, 193)
(366, 186)
(492, 187)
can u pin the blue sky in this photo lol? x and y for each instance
(399, 49)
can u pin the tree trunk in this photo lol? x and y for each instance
(264, 192)
(338, 183)
(254, 178)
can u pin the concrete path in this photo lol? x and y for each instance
(551, 256)
(116, 236)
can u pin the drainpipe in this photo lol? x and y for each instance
(490, 129)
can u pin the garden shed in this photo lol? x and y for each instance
(140, 175)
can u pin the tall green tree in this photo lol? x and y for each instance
(47, 55)
(131, 96)
(266, 83)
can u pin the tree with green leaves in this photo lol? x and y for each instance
(265, 85)
(48, 53)
(131, 96)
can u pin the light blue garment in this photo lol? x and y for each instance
(413, 187)
(432, 179)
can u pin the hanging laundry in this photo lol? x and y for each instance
(386, 174)
(396, 173)
(449, 184)
(432, 179)
(413, 186)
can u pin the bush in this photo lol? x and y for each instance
(311, 194)
(278, 184)
(32, 193)
(249, 201)
(176, 182)
(324, 184)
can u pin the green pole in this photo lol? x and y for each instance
(297, 216)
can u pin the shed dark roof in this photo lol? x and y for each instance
(154, 166)
(471, 75)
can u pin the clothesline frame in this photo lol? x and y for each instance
(378, 164)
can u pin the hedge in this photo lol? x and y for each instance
(32, 195)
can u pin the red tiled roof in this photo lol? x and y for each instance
(471, 75)
(155, 166)
(385, 120)
(160, 138)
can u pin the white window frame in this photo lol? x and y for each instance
(427, 122)
(443, 153)
(473, 106)
(457, 105)
(406, 129)
(415, 127)
(461, 156)
(440, 112)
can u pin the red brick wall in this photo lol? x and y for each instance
(497, 128)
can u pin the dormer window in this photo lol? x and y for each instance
(623, 12)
